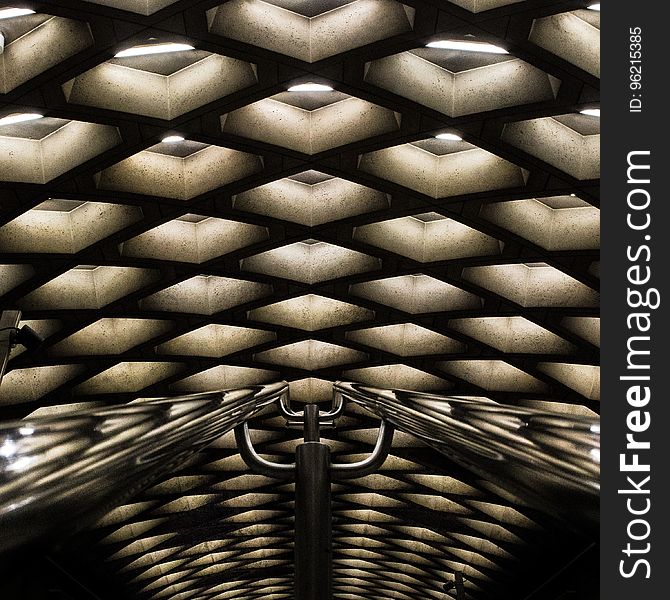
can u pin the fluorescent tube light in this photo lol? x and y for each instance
(467, 46)
(153, 49)
(19, 118)
(10, 13)
(172, 139)
(591, 112)
(449, 136)
(594, 6)
(310, 87)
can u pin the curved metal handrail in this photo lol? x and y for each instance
(58, 474)
(373, 462)
(551, 460)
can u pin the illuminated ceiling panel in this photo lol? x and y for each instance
(182, 222)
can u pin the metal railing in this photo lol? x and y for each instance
(548, 459)
(58, 474)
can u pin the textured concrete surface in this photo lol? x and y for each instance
(493, 375)
(205, 295)
(311, 205)
(397, 376)
(224, 377)
(405, 339)
(428, 242)
(310, 263)
(575, 228)
(533, 286)
(584, 379)
(512, 335)
(416, 294)
(587, 328)
(128, 377)
(27, 385)
(310, 313)
(179, 178)
(310, 39)
(193, 242)
(215, 340)
(559, 145)
(310, 355)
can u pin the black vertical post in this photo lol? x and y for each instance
(313, 535)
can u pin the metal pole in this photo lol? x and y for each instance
(313, 524)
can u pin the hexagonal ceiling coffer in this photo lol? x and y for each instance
(310, 122)
(458, 83)
(405, 339)
(310, 261)
(193, 239)
(40, 150)
(181, 171)
(417, 294)
(164, 86)
(399, 377)
(428, 237)
(37, 42)
(573, 36)
(533, 284)
(311, 198)
(311, 355)
(65, 226)
(554, 223)
(569, 142)
(205, 295)
(443, 168)
(310, 313)
(310, 31)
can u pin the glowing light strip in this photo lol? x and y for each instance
(467, 46)
(153, 49)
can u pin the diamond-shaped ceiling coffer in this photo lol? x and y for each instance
(399, 377)
(493, 375)
(573, 36)
(164, 86)
(215, 341)
(584, 379)
(477, 6)
(310, 312)
(428, 237)
(205, 295)
(310, 355)
(37, 42)
(569, 142)
(416, 294)
(110, 336)
(587, 328)
(142, 7)
(513, 335)
(405, 339)
(65, 226)
(554, 223)
(87, 287)
(311, 121)
(311, 198)
(310, 261)
(533, 284)
(310, 31)
(224, 377)
(458, 83)
(179, 170)
(28, 385)
(442, 168)
(41, 149)
(193, 239)
(128, 377)
(13, 275)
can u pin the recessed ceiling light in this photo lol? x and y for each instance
(153, 49)
(467, 46)
(591, 112)
(595, 453)
(172, 139)
(594, 6)
(449, 136)
(9, 13)
(19, 118)
(310, 87)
